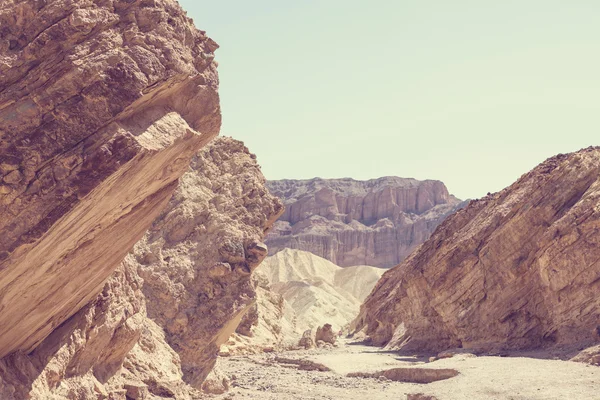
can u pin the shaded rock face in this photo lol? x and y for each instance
(517, 269)
(197, 258)
(377, 222)
(160, 334)
(102, 105)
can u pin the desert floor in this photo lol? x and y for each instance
(517, 378)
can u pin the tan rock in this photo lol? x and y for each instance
(306, 341)
(325, 333)
(102, 106)
(111, 347)
(515, 270)
(219, 214)
(377, 222)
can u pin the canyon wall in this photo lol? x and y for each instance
(103, 108)
(156, 327)
(377, 222)
(514, 270)
(102, 105)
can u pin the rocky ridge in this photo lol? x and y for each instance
(515, 270)
(377, 222)
(102, 106)
(156, 327)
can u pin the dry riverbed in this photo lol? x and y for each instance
(273, 376)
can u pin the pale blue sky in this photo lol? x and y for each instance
(474, 93)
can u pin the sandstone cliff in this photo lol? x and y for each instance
(517, 269)
(102, 105)
(377, 222)
(157, 325)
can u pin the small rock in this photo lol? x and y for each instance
(326, 334)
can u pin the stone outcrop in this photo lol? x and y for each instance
(307, 341)
(160, 335)
(325, 334)
(102, 105)
(514, 270)
(296, 292)
(377, 222)
(196, 260)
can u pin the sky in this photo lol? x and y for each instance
(473, 93)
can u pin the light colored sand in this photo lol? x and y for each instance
(495, 378)
(317, 290)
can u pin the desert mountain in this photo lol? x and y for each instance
(515, 270)
(298, 291)
(348, 222)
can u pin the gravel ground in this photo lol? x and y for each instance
(515, 378)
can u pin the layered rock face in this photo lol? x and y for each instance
(377, 222)
(155, 329)
(515, 270)
(102, 105)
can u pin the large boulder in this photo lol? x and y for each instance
(325, 334)
(517, 269)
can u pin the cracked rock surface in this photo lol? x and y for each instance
(517, 269)
(102, 106)
(156, 327)
(378, 222)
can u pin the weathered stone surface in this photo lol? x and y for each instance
(112, 345)
(306, 341)
(102, 105)
(377, 222)
(517, 269)
(217, 217)
(325, 333)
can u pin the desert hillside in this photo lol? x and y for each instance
(515, 270)
(298, 291)
(348, 222)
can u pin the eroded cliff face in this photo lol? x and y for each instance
(515, 270)
(102, 105)
(377, 222)
(156, 327)
(197, 259)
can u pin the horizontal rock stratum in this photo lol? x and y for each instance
(102, 105)
(378, 222)
(515, 270)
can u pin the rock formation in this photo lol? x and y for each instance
(306, 341)
(102, 105)
(325, 334)
(160, 334)
(297, 292)
(197, 258)
(377, 222)
(515, 270)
